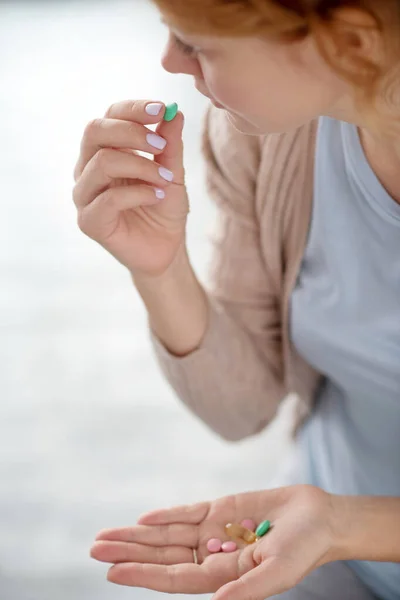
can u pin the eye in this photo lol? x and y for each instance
(185, 48)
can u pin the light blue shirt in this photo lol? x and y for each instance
(345, 321)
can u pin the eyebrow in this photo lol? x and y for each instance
(174, 31)
(176, 34)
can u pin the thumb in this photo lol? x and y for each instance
(172, 157)
(264, 581)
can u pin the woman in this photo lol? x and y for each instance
(302, 151)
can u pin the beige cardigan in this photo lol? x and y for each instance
(246, 363)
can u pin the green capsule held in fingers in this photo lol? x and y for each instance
(170, 111)
(263, 528)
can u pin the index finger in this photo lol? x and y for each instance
(135, 110)
(99, 130)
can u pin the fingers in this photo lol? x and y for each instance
(172, 157)
(174, 579)
(123, 126)
(109, 164)
(120, 552)
(193, 513)
(98, 219)
(163, 535)
(135, 110)
(208, 577)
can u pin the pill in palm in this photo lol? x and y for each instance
(240, 533)
(229, 547)
(214, 545)
(263, 528)
(248, 524)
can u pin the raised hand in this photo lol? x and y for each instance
(118, 192)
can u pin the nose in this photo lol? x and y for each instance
(173, 61)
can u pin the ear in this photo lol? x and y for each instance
(353, 40)
(356, 17)
(357, 33)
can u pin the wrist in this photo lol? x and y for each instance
(340, 522)
(176, 304)
(172, 272)
(366, 528)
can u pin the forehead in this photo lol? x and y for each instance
(214, 40)
(245, 47)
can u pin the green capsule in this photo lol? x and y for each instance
(170, 111)
(263, 528)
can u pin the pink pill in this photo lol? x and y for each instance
(214, 545)
(249, 524)
(229, 547)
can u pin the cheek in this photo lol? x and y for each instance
(272, 88)
(225, 87)
(234, 96)
(274, 96)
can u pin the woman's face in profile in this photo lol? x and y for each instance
(264, 86)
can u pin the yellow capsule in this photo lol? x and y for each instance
(239, 533)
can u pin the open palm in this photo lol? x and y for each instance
(157, 553)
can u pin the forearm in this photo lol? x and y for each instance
(231, 383)
(367, 528)
(177, 306)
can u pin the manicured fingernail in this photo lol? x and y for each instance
(166, 174)
(156, 141)
(153, 108)
(159, 193)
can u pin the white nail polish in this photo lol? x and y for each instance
(156, 141)
(159, 193)
(166, 174)
(153, 108)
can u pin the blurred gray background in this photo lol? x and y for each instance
(91, 435)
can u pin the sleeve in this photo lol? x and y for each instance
(234, 380)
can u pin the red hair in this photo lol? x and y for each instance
(290, 20)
